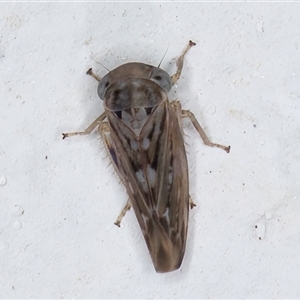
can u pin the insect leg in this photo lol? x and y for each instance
(89, 129)
(206, 141)
(192, 204)
(179, 62)
(91, 73)
(123, 212)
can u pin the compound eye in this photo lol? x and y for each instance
(103, 86)
(162, 78)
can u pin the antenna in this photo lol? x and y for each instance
(100, 64)
(164, 55)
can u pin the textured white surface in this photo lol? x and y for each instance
(59, 199)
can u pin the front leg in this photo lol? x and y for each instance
(97, 122)
(206, 140)
(176, 105)
(179, 62)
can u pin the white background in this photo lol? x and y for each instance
(60, 198)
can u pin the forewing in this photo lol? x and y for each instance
(153, 167)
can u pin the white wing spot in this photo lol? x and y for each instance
(141, 179)
(145, 143)
(151, 178)
(133, 145)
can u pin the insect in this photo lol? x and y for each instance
(142, 133)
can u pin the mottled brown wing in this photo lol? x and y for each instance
(153, 167)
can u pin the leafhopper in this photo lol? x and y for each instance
(142, 133)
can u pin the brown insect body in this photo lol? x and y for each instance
(144, 139)
(146, 145)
